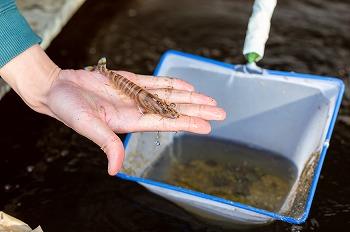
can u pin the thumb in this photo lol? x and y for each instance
(114, 150)
(99, 132)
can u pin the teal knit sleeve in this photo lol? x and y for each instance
(15, 33)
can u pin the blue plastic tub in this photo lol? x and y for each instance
(291, 114)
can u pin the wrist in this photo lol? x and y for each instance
(31, 75)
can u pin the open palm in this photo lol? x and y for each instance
(87, 102)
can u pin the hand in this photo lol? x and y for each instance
(86, 102)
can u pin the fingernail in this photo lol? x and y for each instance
(223, 114)
(109, 167)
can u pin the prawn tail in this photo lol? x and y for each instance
(102, 63)
(90, 68)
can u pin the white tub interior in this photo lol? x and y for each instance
(282, 114)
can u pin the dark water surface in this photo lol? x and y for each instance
(53, 177)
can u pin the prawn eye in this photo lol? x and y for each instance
(172, 105)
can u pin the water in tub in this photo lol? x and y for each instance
(226, 169)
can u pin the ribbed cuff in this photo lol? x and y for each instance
(15, 35)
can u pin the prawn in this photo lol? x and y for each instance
(146, 102)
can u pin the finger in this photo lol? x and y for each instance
(97, 131)
(181, 96)
(152, 82)
(151, 122)
(201, 111)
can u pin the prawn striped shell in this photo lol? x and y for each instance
(147, 102)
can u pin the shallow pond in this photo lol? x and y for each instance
(53, 177)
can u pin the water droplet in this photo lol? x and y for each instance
(157, 143)
(326, 143)
(64, 153)
(7, 187)
(30, 168)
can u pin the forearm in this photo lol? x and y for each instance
(23, 64)
(31, 74)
